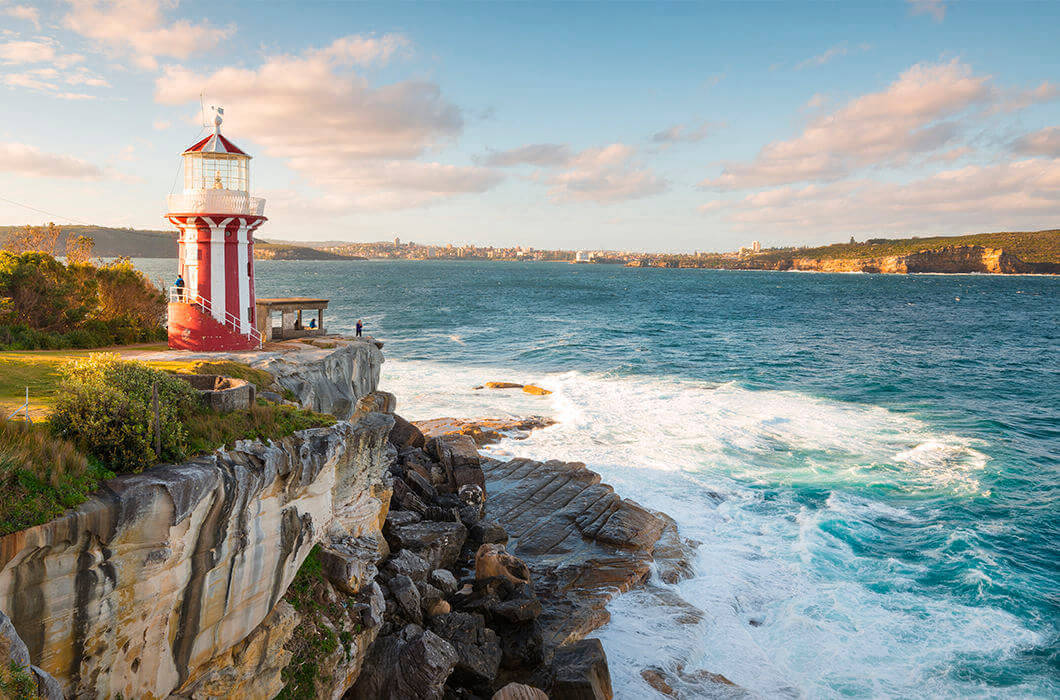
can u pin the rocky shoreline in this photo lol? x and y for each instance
(371, 559)
(530, 552)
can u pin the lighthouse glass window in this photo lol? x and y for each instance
(213, 172)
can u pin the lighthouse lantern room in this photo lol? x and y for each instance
(214, 308)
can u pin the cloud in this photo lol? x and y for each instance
(935, 8)
(682, 133)
(603, 175)
(842, 49)
(22, 159)
(25, 12)
(541, 154)
(161, 124)
(1017, 195)
(1045, 142)
(41, 50)
(138, 28)
(358, 141)
(912, 116)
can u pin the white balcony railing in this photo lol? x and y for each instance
(215, 202)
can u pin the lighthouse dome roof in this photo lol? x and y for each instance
(215, 143)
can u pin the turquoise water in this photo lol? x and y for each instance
(870, 461)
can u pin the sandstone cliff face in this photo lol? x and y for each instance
(955, 259)
(161, 583)
(326, 379)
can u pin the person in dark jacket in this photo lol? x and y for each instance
(359, 327)
(179, 284)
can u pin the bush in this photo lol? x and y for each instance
(45, 305)
(41, 476)
(263, 421)
(104, 405)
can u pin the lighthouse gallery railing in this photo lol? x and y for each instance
(230, 321)
(215, 202)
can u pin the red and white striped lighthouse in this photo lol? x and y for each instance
(217, 217)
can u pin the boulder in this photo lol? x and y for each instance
(412, 664)
(429, 596)
(407, 563)
(437, 542)
(518, 691)
(487, 532)
(404, 498)
(421, 485)
(493, 560)
(477, 648)
(407, 597)
(14, 658)
(375, 402)
(536, 390)
(443, 580)
(581, 672)
(503, 385)
(348, 563)
(405, 435)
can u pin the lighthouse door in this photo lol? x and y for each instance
(190, 254)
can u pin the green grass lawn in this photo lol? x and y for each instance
(39, 370)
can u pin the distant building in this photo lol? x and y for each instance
(756, 247)
(582, 257)
(397, 242)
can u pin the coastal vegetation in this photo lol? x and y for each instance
(48, 304)
(100, 421)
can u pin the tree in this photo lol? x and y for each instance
(79, 250)
(39, 239)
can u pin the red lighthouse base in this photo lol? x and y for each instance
(192, 329)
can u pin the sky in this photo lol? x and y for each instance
(590, 125)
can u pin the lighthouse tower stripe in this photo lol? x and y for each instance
(232, 272)
(217, 267)
(243, 275)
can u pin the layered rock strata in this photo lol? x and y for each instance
(168, 581)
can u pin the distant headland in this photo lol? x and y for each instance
(1027, 252)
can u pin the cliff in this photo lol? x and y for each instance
(172, 581)
(955, 259)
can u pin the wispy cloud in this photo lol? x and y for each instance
(140, 29)
(914, 115)
(683, 133)
(936, 9)
(23, 12)
(603, 175)
(23, 159)
(539, 154)
(842, 49)
(1045, 142)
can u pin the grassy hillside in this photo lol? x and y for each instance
(264, 250)
(1037, 246)
(115, 242)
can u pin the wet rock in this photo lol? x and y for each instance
(484, 431)
(518, 691)
(444, 581)
(503, 385)
(405, 435)
(493, 560)
(536, 390)
(581, 672)
(477, 648)
(412, 664)
(437, 542)
(582, 543)
(421, 485)
(488, 532)
(654, 677)
(407, 597)
(407, 563)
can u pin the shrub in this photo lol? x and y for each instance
(41, 476)
(263, 421)
(47, 305)
(105, 406)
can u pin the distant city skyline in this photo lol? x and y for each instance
(626, 126)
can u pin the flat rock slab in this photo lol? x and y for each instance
(583, 543)
(483, 431)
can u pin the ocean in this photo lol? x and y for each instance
(871, 463)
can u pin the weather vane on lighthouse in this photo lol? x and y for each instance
(212, 303)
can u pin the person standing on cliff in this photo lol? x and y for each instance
(359, 327)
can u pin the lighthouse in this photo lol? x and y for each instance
(217, 217)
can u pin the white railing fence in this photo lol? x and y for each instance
(215, 202)
(230, 321)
